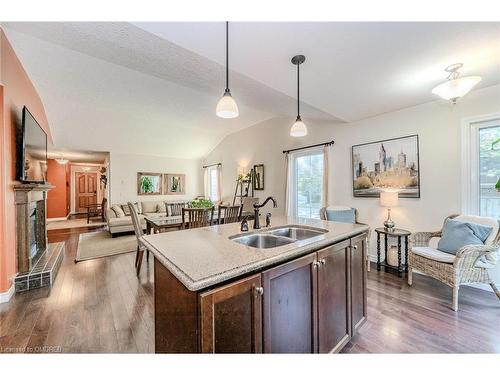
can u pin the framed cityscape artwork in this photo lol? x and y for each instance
(389, 164)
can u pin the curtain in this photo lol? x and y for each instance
(206, 193)
(324, 198)
(288, 201)
(219, 183)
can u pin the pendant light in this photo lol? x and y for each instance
(298, 129)
(455, 87)
(227, 107)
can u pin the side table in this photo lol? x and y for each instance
(399, 233)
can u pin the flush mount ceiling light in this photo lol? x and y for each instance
(298, 129)
(455, 87)
(227, 107)
(61, 160)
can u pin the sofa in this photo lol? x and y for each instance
(119, 220)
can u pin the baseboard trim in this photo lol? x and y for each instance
(7, 295)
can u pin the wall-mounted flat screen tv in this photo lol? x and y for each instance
(32, 151)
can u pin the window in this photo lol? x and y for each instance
(482, 167)
(212, 183)
(489, 171)
(306, 184)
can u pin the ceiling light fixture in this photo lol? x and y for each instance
(61, 160)
(227, 107)
(298, 129)
(455, 87)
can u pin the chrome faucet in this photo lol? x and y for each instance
(256, 207)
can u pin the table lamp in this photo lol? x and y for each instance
(389, 199)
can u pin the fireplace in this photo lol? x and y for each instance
(36, 244)
(37, 262)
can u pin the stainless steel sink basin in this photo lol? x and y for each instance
(297, 233)
(278, 236)
(262, 241)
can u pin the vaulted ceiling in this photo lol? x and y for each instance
(151, 88)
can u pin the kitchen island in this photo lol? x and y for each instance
(298, 286)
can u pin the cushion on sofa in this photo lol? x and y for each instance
(117, 209)
(125, 220)
(161, 207)
(148, 207)
(126, 208)
(434, 254)
(457, 233)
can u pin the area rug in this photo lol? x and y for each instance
(101, 244)
(73, 223)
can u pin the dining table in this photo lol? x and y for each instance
(161, 223)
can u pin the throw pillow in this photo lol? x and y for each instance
(118, 210)
(126, 209)
(161, 207)
(457, 234)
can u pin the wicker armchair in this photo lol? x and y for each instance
(466, 267)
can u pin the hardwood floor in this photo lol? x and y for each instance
(102, 306)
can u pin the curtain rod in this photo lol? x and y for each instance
(211, 165)
(305, 147)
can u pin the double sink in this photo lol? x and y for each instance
(278, 236)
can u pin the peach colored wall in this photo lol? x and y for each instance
(17, 92)
(56, 197)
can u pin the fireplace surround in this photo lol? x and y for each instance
(37, 261)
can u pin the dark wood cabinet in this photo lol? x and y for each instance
(334, 313)
(231, 318)
(290, 307)
(311, 304)
(358, 282)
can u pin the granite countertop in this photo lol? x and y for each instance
(204, 257)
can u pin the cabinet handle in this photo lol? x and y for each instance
(322, 261)
(315, 264)
(355, 247)
(259, 290)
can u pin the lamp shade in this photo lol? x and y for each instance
(389, 198)
(227, 107)
(298, 129)
(456, 88)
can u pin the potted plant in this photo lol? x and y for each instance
(201, 203)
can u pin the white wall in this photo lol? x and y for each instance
(438, 125)
(123, 176)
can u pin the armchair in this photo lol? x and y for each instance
(470, 264)
(345, 214)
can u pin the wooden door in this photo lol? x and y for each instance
(358, 282)
(290, 307)
(334, 315)
(231, 318)
(85, 190)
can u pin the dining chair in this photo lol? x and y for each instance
(197, 217)
(138, 233)
(229, 214)
(97, 210)
(175, 209)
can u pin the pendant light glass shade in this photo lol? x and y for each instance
(227, 107)
(456, 86)
(298, 129)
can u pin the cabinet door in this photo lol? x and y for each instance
(231, 318)
(290, 307)
(334, 315)
(358, 281)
